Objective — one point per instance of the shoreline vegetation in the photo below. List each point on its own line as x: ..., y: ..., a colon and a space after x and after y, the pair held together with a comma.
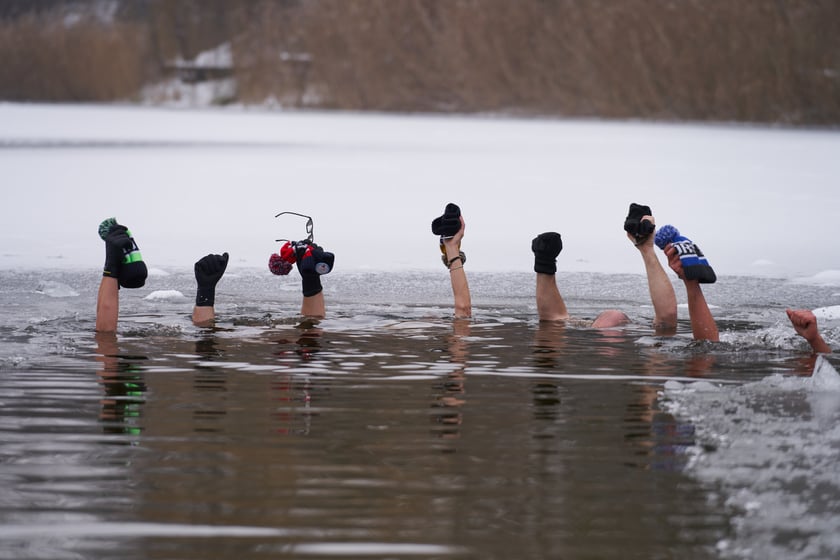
x: 751, y: 61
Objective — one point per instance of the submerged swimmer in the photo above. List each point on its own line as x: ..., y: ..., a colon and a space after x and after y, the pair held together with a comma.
x: 311, y: 262
x: 209, y: 269
x: 804, y: 322
x: 451, y: 228
x: 123, y: 267
x: 640, y: 226
x: 120, y: 270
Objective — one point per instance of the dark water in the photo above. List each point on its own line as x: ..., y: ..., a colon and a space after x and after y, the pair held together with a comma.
x: 389, y: 430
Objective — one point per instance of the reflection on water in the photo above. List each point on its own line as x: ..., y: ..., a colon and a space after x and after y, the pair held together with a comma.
x: 367, y: 435
x: 324, y: 437
x: 450, y: 390
x: 123, y: 386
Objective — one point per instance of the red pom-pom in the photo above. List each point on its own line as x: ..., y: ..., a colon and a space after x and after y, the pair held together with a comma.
x: 278, y: 265
x: 287, y: 253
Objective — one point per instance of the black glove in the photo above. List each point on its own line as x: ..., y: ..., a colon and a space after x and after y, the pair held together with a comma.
x: 208, y: 271
x: 450, y: 223
x: 324, y: 260
x: 312, y: 261
x: 546, y: 246
x: 312, y: 258
x: 117, y: 245
x: 635, y: 226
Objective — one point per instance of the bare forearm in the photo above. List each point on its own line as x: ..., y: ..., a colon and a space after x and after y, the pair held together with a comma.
x: 107, y: 305
x: 314, y: 306
x: 703, y: 325
x: 203, y: 315
x: 550, y: 304
x: 458, y: 279
x: 819, y: 345
x: 662, y: 294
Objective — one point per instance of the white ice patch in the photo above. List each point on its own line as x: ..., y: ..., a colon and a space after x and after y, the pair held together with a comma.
x: 824, y: 278
x: 825, y: 377
x: 55, y: 289
x: 157, y: 272
x: 830, y: 313
x: 165, y: 295
x: 772, y: 446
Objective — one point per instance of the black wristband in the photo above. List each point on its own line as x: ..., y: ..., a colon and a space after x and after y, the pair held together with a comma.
x: 205, y: 296
x: 545, y: 266
x: 113, y: 261
x: 311, y: 284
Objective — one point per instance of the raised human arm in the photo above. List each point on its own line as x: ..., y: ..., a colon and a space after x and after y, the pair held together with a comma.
x: 312, y: 263
x: 117, y: 242
x: 457, y: 274
x: 804, y: 322
x: 314, y: 306
x: 703, y: 325
x: 550, y: 304
x: 662, y: 294
x: 640, y: 227
x: 107, y: 305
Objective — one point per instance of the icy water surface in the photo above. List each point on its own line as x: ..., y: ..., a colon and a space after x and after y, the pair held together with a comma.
x: 388, y: 430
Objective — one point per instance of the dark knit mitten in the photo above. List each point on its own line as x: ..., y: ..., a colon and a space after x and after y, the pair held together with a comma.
x: 312, y: 262
x: 546, y: 246
x: 117, y: 243
x: 122, y: 256
x: 449, y: 223
x: 635, y: 226
x: 208, y: 271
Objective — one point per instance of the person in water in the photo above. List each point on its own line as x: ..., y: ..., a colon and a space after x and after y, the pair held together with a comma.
x: 311, y: 261
x: 804, y: 322
x: 124, y: 267
x: 703, y: 325
x: 451, y: 228
x: 640, y: 227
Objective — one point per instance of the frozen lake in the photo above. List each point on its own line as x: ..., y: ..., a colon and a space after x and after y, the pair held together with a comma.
x: 758, y: 201
x: 387, y: 429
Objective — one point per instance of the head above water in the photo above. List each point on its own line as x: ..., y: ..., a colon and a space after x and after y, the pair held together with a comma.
x: 610, y: 318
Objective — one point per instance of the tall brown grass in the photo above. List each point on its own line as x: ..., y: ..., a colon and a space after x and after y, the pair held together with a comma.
x: 746, y: 60
x: 82, y: 62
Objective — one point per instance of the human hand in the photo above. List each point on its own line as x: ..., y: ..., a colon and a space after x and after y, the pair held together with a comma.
x: 674, y: 261
x: 455, y: 240
x: 639, y: 223
x: 804, y: 323
x: 641, y: 236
